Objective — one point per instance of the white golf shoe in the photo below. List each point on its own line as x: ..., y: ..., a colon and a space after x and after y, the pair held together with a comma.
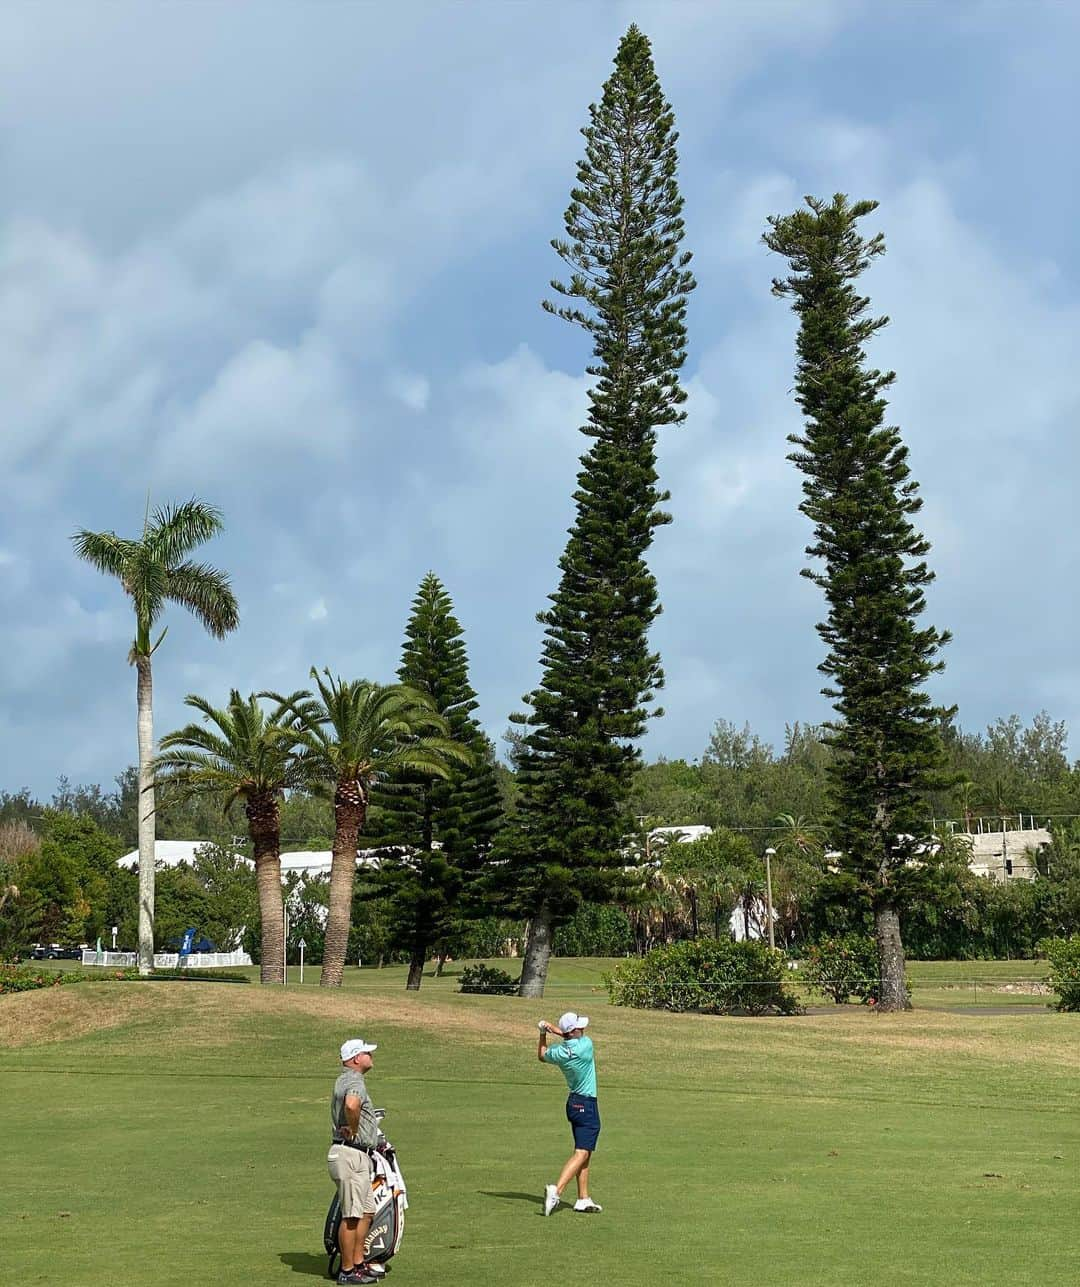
x: 551, y: 1198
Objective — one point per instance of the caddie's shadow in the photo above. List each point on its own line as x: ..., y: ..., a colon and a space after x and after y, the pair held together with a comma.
x: 302, y: 1262
x: 513, y: 1197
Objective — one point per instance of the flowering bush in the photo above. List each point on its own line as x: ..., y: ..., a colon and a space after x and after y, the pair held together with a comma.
x: 714, y: 976
x: 26, y: 978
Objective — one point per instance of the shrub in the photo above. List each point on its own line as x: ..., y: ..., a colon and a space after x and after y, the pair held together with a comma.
x: 28, y: 978
x: 172, y: 975
x: 844, y: 967
x: 485, y: 978
x: 713, y: 976
x: 1064, y: 957
x: 595, y: 929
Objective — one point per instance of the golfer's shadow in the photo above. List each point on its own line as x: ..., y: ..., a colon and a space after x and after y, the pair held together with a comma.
x: 302, y: 1262
x: 513, y: 1197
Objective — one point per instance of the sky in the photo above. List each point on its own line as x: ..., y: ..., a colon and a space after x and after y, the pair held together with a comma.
x: 290, y: 258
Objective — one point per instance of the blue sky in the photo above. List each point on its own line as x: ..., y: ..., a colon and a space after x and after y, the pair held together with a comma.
x: 290, y: 258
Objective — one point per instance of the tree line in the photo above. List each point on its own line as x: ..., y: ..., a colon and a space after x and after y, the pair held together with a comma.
x: 61, y: 853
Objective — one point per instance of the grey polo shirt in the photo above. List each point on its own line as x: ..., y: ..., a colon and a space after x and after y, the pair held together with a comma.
x: 351, y: 1082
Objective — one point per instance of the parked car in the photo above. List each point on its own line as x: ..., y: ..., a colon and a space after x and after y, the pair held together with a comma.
x: 55, y: 952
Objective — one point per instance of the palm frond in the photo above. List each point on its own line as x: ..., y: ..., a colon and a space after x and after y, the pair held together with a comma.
x: 105, y: 551
x: 175, y: 530
x: 205, y: 592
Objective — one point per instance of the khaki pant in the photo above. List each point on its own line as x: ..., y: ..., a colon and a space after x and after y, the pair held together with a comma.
x: 350, y: 1169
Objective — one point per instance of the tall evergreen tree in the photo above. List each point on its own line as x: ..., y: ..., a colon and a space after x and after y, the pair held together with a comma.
x: 860, y: 497
x: 628, y: 289
x: 448, y: 824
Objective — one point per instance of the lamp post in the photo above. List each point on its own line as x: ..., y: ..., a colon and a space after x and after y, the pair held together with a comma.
x: 769, y: 855
x: 285, y: 945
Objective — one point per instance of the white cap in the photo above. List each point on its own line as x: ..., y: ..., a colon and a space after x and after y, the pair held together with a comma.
x: 353, y: 1047
x: 569, y: 1021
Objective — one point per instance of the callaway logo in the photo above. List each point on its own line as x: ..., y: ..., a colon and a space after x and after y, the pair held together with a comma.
x: 376, y: 1233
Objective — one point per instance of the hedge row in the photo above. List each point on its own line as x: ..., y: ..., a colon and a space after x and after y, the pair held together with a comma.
x: 29, y: 978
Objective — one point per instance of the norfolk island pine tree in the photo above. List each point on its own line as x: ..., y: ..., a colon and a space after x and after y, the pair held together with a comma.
x: 155, y: 570
x: 628, y: 289
x: 860, y: 497
x: 447, y: 825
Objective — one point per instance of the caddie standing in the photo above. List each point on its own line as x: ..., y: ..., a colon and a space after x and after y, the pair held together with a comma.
x: 577, y: 1061
x: 354, y: 1133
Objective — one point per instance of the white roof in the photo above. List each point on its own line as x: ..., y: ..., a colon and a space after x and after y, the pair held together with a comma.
x: 304, y: 862
x: 684, y: 835
x: 317, y: 862
x: 169, y: 853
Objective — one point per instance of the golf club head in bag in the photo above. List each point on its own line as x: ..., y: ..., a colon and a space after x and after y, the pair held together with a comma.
x: 391, y: 1201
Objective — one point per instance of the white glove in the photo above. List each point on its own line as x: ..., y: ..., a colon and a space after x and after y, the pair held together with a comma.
x: 542, y: 1025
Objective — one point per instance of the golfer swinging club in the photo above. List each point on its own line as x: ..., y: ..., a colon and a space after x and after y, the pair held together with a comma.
x: 574, y: 1056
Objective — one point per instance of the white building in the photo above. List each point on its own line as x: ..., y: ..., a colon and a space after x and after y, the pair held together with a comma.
x: 1007, y: 855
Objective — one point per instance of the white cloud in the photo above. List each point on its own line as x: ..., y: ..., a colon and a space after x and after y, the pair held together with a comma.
x: 321, y: 313
x: 411, y: 390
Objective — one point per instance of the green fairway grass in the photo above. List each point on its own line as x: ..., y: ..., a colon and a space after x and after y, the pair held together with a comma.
x: 175, y: 1134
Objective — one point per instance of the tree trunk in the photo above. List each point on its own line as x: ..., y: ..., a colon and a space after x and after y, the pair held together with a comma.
x: 264, y: 828
x: 893, y: 994
x: 350, y: 808
x: 146, y: 813
x: 439, y: 965
x: 416, y: 967
x: 534, y: 967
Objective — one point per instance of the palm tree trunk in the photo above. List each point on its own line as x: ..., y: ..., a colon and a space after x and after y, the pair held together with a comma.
x: 893, y: 994
x: 534, y: 968
x: 263, y: 816
x: 350, y: 808
x: 147, y: 813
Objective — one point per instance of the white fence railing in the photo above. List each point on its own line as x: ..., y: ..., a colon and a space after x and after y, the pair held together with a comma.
x: 166, y: 960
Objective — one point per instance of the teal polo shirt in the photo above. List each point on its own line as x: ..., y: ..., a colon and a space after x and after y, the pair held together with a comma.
x: 575, y: 1060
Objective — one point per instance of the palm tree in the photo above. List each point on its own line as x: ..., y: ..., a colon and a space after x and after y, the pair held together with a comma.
x: 240, y: 753
x: 153, y: 571
x: 799, y: 846
x: 352, y: 735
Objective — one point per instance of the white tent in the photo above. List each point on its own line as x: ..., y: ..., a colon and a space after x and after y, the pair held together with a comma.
x: 170, y: 853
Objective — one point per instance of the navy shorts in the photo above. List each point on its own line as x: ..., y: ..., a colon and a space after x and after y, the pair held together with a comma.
x: 584, y: 1118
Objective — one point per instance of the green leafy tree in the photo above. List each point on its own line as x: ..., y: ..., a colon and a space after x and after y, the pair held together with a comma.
x: 446, y: 824
x: 871, y: 565
x: 627, y: 288
x: 155, y: 570
x: 352, y: 735
x: 232, y: 894
x: 239, y: 753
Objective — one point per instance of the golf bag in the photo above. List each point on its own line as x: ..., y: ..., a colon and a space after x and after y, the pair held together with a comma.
x: 391, y: 1201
